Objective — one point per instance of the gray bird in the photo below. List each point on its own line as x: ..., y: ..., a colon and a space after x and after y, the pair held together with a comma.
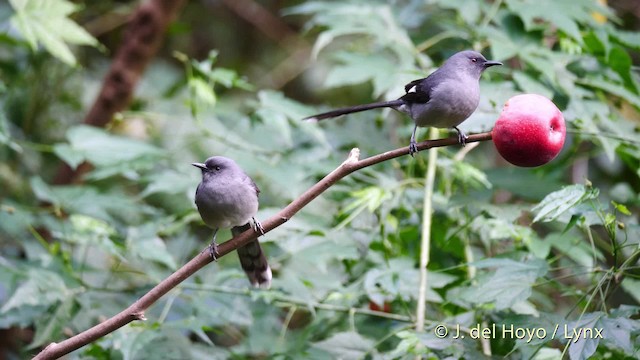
x: 228, y: 198
x: 443, y: 99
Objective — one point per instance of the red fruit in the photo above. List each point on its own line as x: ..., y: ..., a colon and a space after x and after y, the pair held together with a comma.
x: 386, y: 307
x: 530, y: 130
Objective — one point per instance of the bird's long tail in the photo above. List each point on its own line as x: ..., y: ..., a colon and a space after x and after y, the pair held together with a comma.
x: 253, y: 261
x: 353, y: 109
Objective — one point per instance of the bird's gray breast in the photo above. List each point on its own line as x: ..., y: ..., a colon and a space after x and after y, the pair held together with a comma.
x: 226, y: 202
x: 451, y: 102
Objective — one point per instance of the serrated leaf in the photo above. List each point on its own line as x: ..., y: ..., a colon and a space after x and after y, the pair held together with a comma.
x: 42, y: 288
x: 582, y: 346
x: 618, y: 330
x: 558, y: 202
x: 168, y: 182
x: 88, y: 201
x: 144, y: 243
x: 346, y: 345
x: 360, y: 68
x: 612, y: 88
x: 566, y: 15
x: 510, y: 284
x: 47, y: 23
x: 53, y: 324
x: 202, y: 90
x: 110, y: 154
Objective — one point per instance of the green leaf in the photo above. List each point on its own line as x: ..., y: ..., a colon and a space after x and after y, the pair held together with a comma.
x: 203, y: 91
x: 88, y: 201
x: 69, y: 155
x: 617, y: 330
x: 561, y: 201
x: 111, y: 154
x: 612, y: 88
x: 42, y: 288
x: 581, y: 347
x: 143, y: 242
x: 347, y: 345
x: 359, y: 68
x: 168, y: 182
x: 568, y: 16
x: 574, y: 248
x: 510, y: 284
x: 86, y: 230
x: 530, y: 84
x: 52, y: 325
x: 47, y: 23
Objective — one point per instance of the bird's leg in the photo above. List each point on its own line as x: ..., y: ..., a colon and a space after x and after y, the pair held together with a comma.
x: 413, y: 146
x: 256, y: 226
x: 462, y: 137
x: 213, y: 247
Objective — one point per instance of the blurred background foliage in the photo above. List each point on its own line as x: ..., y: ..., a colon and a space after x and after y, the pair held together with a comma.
x: 532, y: 248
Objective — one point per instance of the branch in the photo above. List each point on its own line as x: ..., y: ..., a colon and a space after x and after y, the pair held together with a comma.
x: 137, y: 309
x: 142, y: 39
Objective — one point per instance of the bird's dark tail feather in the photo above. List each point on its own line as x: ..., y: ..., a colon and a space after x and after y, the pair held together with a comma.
x: 253, y: 261
x: 353, y: 109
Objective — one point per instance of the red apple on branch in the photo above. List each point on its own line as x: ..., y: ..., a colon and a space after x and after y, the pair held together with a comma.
x: 530, y: 130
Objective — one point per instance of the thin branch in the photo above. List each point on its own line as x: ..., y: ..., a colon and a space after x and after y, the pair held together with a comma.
x: 137, y: 309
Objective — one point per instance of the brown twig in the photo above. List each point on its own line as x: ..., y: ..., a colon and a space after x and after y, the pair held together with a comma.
x: 137, y: 309
x: 141, y: 42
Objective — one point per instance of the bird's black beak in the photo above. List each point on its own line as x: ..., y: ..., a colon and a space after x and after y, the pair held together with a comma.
x: 491, y: 63
x: 200, y: 165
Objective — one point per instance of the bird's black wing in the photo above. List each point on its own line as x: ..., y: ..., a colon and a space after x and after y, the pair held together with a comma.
x: 419, y: 91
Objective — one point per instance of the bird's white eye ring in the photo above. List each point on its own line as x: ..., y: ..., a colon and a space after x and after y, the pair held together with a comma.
x: 474, y: 59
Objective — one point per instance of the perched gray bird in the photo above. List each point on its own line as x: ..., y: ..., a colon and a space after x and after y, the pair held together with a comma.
x: 443, y: 99
x: 228, y: 198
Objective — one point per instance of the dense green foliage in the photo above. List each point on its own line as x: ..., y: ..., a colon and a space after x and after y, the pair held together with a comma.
x: 550, y: 248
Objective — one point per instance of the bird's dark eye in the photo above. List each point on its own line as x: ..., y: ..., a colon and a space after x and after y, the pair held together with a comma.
x: 474, y: 59
x: 217, y: 168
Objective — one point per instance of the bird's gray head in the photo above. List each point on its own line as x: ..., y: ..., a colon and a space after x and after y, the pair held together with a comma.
x: 470, y: 61
x: 216, y: 165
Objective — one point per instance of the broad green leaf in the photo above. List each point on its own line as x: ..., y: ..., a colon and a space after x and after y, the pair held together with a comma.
x: 144, y: 243
x: 50, y: 326
x: 47, y: 23
x: 632, y: 287
x: 376, y: 21
x: 111, y: 154
x: 568, y: 16
x: 511, y: 283
x: 618, y: 330
x: 400, y: 280
x: 581, y: 347
x: 470, y: 11
x: 42, y: 288
x: 574, y: 247
x: 86, y: 230
x: 561, y: 201
x: 203, y: 91
x: 532, y: 85
x: 346, y: 345
x: 612, y: 88
x: 89, y: 201
x: 359, y: 68
x: 169, y: 182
